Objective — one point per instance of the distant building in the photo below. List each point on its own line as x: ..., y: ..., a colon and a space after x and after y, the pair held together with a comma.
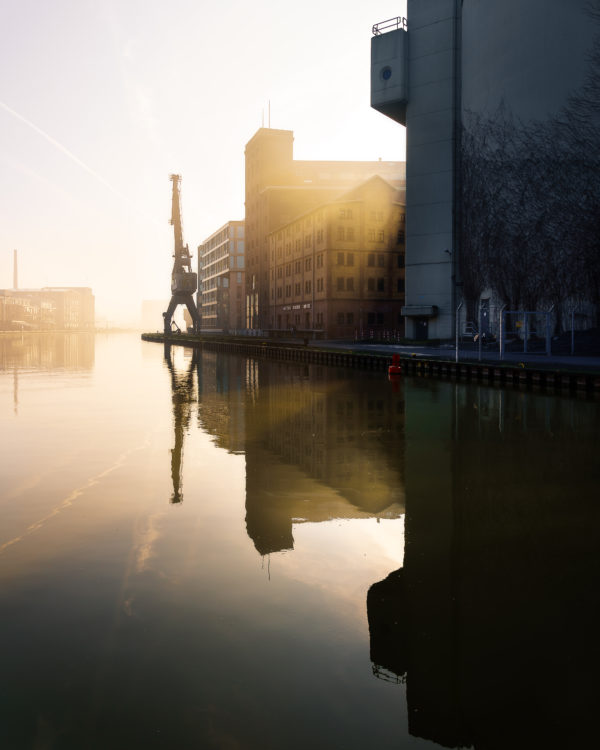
x: 279, y: 189
x: 339, y: 269
x: 221, y: 278
x: 49, y: 308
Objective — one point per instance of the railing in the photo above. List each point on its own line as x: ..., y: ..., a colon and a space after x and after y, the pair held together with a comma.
x: 392, y: 24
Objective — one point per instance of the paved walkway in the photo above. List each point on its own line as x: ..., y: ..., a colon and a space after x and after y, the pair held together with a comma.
x: 447, y: 352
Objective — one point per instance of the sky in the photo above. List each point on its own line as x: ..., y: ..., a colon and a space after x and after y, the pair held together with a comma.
x: 100, y: 100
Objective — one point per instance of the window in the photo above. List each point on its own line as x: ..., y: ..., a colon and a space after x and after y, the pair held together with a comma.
x: 379, y: 319
x: 400, y: 237
x: 350, y: 234
x: 288, y: 269
x: 297, y: 289
x: 400, y: 285
x: 298, y: 266
x: 240, y: 261
x: 380, y: 235
x: 350, y: 284
x: 380, y: 285
x: 307, y: 240
x: 340, y: 259
x: 288, y: 290
x: 319, y: 261
x: 279, y: 272
x: 381, y: 260
x: 371, y: 284
x: 320, y: 318
x: 308, y: 287
x: 340, y: 318
x: 308, y: 264
x: 371, y: 319
x: 340, y: 233
x: 279, y: 292
x: 371, y: 259
x: 340, y: 284
x: 349, y: 259
x: 350, y: 318
x: 371, y: 235
x: 400, y: 260
x: 319, y: 285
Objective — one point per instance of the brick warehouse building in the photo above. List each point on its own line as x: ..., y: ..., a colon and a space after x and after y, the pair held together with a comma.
x: 339, y: 269
x: 279, y: 189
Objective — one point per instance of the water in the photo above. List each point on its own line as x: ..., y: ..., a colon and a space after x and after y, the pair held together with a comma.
x: 223, y: 552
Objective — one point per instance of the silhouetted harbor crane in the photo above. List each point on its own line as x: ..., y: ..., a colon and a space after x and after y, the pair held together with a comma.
x: 184, y: 282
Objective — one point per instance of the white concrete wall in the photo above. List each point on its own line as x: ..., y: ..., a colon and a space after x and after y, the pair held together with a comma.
x: 430, y: 161
x: 529, y: 53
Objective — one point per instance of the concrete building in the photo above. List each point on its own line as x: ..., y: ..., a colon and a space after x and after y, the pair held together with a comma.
x: 221, y: 278
x: 278, y: 189
x: 338, y: 270
x: 429, y: 71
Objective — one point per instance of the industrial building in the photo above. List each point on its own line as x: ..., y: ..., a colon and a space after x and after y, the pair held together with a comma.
x: 49, y: 308
x: 221, y: 275
x: 450, y: 61
x: 279, y: 189
x: 338, y: 270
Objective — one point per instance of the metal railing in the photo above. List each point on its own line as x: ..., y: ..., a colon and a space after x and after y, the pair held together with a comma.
x: 392, y: 24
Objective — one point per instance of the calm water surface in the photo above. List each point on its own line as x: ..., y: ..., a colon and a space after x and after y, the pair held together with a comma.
x: 210, y: 551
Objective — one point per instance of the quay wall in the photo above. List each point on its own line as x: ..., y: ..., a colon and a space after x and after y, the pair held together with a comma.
x: 557, y: 379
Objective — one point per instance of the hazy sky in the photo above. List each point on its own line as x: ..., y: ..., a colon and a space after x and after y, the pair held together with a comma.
x: 101, y: 100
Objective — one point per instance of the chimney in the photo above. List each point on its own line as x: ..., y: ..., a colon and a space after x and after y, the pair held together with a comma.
x: 15, y: 272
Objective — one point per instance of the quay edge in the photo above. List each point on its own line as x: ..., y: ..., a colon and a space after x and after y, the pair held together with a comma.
x: 550, y: 378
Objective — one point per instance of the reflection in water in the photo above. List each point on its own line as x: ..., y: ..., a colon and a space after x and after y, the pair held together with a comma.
x: 47, y: 351
x: 492, y: 619
x: 128, y: 622
x: 318, y: 445
x: 334, y: 447
x: 183, y: 395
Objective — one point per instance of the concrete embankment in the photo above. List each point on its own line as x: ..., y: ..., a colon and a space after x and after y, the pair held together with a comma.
x: 550, y: 375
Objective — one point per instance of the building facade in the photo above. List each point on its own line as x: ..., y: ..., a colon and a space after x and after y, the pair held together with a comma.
x: 278, y: 189
x: 450, y: 60
x: 338, y: 270
x: 221, y: 278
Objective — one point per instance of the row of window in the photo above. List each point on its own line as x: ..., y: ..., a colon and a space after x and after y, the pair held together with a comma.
x: 342, y: 259
x: 343, y: 284
x: 345, y: 234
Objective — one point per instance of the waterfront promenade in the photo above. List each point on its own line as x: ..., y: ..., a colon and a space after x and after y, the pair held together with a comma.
x: 560, y: 372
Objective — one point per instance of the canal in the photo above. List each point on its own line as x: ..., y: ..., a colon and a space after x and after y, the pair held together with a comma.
x: 203, y: 550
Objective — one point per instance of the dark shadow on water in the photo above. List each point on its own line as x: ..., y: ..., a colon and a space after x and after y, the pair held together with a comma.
x: 492, y: 621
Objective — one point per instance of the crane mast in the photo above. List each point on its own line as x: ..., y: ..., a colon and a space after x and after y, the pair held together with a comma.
x: 184, y: 282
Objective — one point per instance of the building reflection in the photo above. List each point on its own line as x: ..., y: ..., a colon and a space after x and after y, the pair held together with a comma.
x: 320, y: 443
x: 316, y: 450
x: 491, y: 621
x: 47, y: 351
